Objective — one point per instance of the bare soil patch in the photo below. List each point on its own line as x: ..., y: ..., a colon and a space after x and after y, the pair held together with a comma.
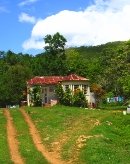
x: 52, y: 157
x: 12, y: 139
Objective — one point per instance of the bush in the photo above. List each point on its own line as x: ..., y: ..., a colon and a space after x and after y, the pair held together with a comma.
x: 67, y: 98
x: 36, y: 96
x: 79, y: 99
x: 60, y: 93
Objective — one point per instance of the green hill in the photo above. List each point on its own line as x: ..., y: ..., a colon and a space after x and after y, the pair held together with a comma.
x: 96, y: 51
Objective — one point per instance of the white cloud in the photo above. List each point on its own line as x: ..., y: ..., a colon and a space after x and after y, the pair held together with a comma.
x: 104, y: 21
x: 32, y: 43
x: 27, y: 2
x: 24, y: 17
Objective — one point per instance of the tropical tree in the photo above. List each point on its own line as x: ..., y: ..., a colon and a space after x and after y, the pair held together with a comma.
x: 98, y: 91
x: 55, y: 54
x: 14, y: 84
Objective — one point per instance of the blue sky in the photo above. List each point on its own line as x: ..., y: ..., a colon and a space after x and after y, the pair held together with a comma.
x: 24, y: 23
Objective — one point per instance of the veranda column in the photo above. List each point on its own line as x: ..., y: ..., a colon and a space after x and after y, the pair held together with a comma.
x: 88, y: 95
x: 28, y: 96
x: 63, y: 87
x: 70, y: 86
x: 80, y: 87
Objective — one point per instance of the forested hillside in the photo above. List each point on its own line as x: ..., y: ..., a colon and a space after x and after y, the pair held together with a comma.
x: 107, y: 66
x: 95, y: 51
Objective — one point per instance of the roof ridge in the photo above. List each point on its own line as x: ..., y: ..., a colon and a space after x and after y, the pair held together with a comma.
x: 55, y: 79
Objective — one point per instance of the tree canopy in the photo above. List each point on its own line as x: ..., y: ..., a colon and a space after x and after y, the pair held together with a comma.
x: 107, y: 66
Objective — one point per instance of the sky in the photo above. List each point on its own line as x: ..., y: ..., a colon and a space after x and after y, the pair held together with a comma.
x: 25, y: 23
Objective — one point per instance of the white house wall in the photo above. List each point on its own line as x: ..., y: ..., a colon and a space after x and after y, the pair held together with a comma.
x: 51, y: 93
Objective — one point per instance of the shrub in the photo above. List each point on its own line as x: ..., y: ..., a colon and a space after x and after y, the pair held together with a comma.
x: 67, y: 98
x: 79, y: 99
x: 60, y: 93
x: 36, y: 96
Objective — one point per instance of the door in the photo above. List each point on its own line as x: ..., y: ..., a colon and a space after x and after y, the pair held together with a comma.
x: 45, y: 95
x: 44, y: 98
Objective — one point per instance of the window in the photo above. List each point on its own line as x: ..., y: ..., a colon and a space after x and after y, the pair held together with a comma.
x: 76, y: 87
x: 85, y: 89
x: 42, y: 90
x: 66, y: 87
x: 51, y: 89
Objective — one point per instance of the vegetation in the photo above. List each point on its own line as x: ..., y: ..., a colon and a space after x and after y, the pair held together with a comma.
x: 107, y: 66
x: 79, y: 99
x: 26, y: 145
x: 78, y: 134
x: 55, y: 51
x: 84, y: 136
x: 35, y: 93
x: 75, y: 134
x: 4, y: 149
x: 71, y: 99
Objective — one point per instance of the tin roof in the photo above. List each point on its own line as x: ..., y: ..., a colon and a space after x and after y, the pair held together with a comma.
x: 42, y: 80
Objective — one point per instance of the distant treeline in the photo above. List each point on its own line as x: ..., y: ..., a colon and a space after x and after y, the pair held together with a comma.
x: 106, y: 65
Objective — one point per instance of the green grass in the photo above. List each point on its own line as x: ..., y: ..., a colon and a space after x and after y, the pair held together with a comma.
x: 109, y: 141
x: 114, y: 147
x: 4, y: 149
x: 26, y: 145
x: 113, y: 107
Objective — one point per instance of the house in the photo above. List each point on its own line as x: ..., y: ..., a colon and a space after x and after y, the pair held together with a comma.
x: 48, y: 84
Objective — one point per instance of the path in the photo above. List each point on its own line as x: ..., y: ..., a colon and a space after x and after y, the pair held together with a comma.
x: 51, y: 157
x: 12, y: 140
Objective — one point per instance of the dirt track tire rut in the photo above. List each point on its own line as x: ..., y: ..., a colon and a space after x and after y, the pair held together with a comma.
x: 51, y: 157
x: 12, y: 139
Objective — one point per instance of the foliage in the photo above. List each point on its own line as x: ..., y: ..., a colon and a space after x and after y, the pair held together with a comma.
x: 35, y: 93
x: 60, y: 93
x: 98, y: 92
x: 109, y: 94
x: 107, y: 65
x: 70, y: 99
x: 55, y: 54
x: 79, y: 99
x: 55, y: 44
x: 67, y: 98
x: 115, y: 69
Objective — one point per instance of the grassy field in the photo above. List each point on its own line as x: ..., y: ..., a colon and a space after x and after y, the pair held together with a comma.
x: 78, y: 135
x: 4, y: 149
x: 84, y: 136
x: 26, y: 145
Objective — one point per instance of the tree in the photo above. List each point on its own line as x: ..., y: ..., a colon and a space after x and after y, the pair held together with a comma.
x: 13, y: 84
x: 11, y: 58
x: 115, y: 70
x: 55, y: 45
x: 98, y: 92
x: 35, y: 93
x: 72, y: 60
x: 55, y: 54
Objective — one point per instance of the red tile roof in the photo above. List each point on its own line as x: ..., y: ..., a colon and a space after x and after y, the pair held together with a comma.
x: 73, y: 77
x: 54, y: 79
